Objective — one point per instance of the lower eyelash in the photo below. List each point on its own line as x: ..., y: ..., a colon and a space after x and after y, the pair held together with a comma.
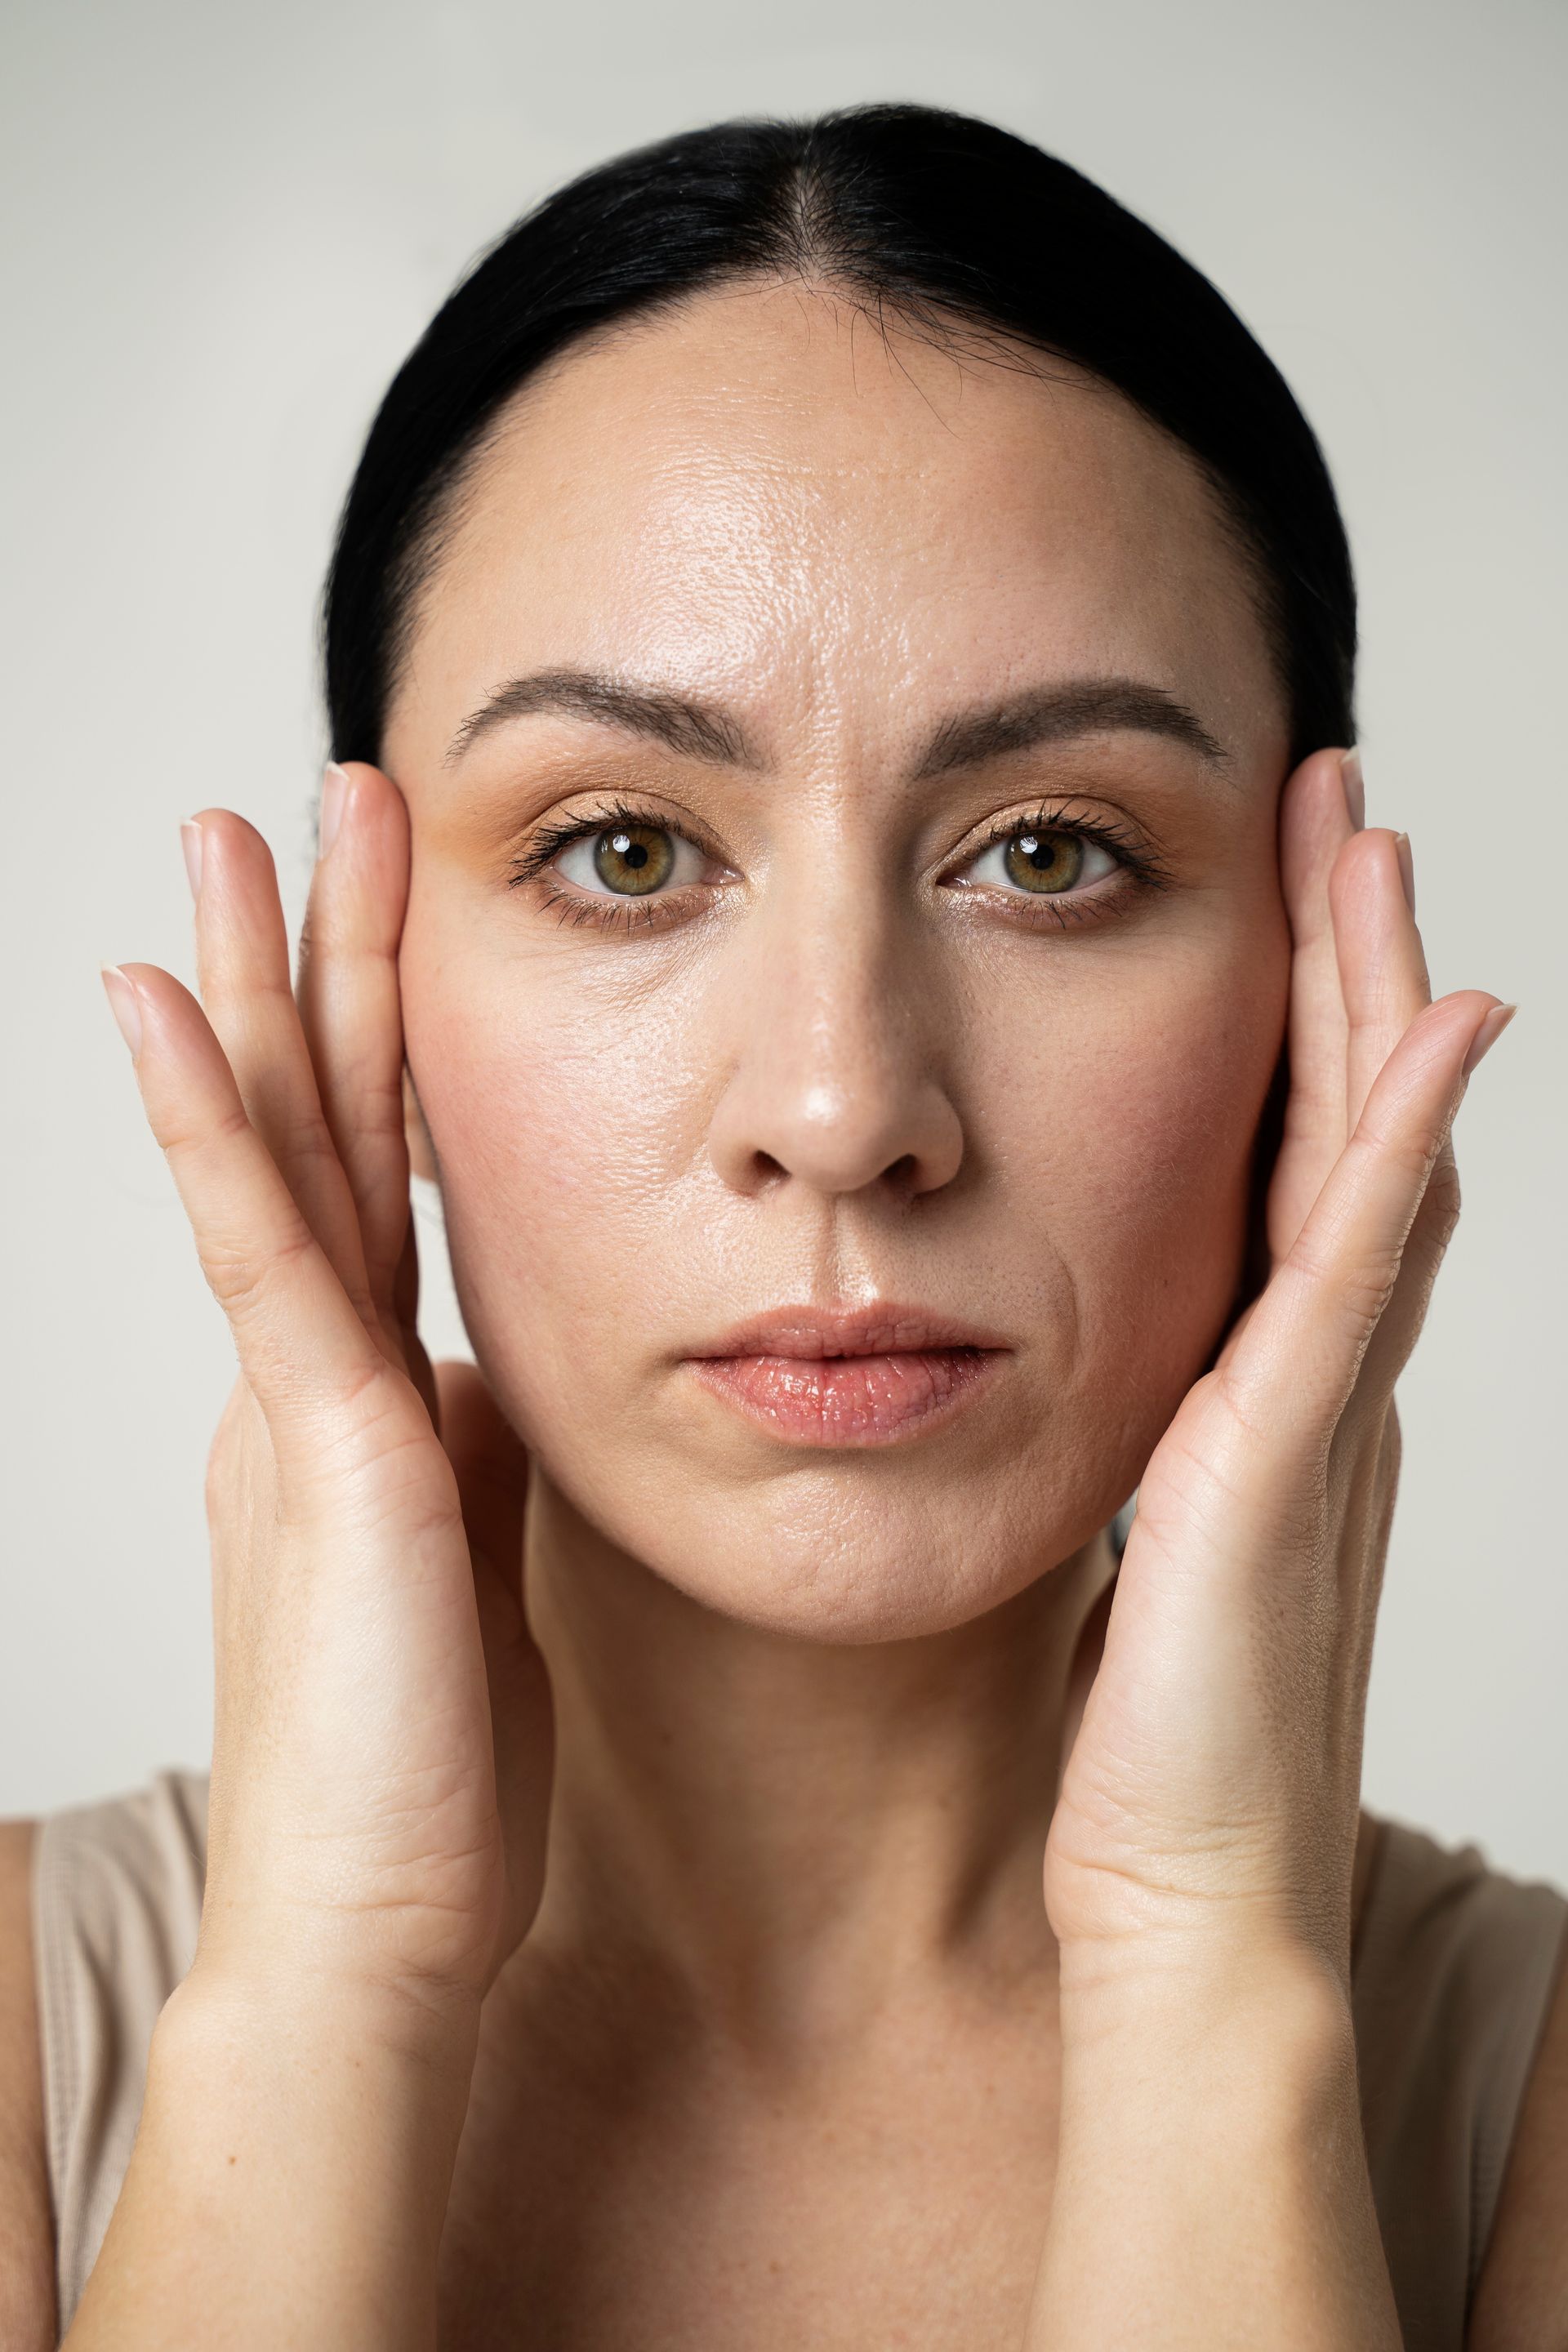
x: 574, y: 907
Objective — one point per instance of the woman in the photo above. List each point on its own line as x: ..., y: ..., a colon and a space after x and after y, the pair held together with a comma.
x: 839, y: 657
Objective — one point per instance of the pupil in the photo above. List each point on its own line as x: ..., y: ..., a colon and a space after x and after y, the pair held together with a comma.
x: 634, y: 859
x: 1043, y: 861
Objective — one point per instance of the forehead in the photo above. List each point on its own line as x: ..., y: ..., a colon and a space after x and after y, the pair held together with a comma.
x: 764, y: 495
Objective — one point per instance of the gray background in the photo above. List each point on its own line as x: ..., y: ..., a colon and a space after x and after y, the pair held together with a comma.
x: 225, y: 227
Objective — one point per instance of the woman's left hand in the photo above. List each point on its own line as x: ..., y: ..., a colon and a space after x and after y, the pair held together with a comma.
x: 1209, y: 1806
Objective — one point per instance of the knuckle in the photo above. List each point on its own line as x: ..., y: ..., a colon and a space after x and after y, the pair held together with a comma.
x: 1413, y: 1156
x: 1443, y: 1197
x: 1365, y: 1291
x: 1363, y: 1284
x: 379, y: 1109
x: 365, y: 1393
x: 241, y: 1278
x: 306, y: 1141
x: 182, y: 1142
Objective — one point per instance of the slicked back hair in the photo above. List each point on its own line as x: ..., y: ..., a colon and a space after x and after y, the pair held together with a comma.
x: 926, y: 219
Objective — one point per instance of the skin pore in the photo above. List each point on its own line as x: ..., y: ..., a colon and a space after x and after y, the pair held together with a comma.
x: 811, y: 1702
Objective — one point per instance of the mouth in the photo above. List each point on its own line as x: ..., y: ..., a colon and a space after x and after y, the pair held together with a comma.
x: 871, y: 1376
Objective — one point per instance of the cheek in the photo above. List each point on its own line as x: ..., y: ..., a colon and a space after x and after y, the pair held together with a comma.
x: 1130, y: 1143
x: 1110, y: 1109
x: 561, y: 1122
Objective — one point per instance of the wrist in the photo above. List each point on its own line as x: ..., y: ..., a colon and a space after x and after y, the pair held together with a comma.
x: 1213, y: 1970
x: 273, y: 2002
x: 1267, y: 2026
x: 1207, y: 2017
x: 1211, y: 2131
x: 291, y: 2169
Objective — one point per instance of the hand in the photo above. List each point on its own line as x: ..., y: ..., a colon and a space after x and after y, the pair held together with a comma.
x: 380, y: 1751
x: 1210, y: 1803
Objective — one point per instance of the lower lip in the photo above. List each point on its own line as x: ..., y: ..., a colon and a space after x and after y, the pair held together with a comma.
x: 849, y: 1400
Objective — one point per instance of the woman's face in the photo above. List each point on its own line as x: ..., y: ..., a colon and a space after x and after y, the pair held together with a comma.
x: 837, y: 638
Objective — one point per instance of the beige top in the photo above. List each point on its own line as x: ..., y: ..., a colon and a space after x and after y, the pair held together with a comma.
x: 1453, y: 1972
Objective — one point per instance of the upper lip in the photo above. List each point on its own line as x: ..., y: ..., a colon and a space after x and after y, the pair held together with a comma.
x: 887, y: 1329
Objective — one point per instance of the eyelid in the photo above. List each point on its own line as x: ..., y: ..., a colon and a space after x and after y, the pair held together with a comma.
x: 551, y: 839
x: 1139, y: 861
x: 577, y: 861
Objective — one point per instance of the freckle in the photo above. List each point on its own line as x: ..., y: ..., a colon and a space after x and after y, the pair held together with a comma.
x: 231, y: 2159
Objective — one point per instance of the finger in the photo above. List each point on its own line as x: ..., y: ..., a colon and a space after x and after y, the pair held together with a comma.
x: 1299, y: 1359
x: 1400, y: 1325
x: 298, y: 1335
x: 405, y: 1306
x: 1315, y: 822
x: 242, y: 957
x: 1380, y: 961
x: 490, y: 1464
x: 351, y: 1008
x: 1386, y: 981
x: 1402, y: 1322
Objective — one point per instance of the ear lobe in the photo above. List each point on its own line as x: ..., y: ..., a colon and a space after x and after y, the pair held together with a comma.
x: 421, y: 1150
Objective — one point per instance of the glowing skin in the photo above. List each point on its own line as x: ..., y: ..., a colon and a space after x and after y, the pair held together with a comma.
x: 688, y: 1963
x: 852, y: 1060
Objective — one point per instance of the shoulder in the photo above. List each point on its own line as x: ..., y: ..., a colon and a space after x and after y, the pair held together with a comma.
x: 26, y: 2228
x: 1462, y: 2054
x: 1522, y: 2302
x: 1463, y: 2045
x: 106, y: 1897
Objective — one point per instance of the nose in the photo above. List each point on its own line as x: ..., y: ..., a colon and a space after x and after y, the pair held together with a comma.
x: 836, y: 1080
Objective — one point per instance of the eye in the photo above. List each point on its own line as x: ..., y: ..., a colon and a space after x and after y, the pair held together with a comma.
x: 628, y: 860
x: 1043, y: 860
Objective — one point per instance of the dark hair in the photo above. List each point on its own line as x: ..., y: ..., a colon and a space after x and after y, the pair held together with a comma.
x: 950, y: 224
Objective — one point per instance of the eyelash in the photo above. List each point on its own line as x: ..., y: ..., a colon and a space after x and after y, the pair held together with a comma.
x: 1142, y: 866
x: 577, y: 907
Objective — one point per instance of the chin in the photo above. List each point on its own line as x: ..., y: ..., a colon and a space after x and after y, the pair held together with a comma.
x: 845, y: 1547
x: 867, y: 1534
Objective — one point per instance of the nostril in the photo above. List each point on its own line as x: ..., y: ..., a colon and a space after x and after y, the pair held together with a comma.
x: 894, y: 1131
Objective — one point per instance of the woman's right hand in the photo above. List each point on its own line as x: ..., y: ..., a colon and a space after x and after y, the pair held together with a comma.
x: 381, y: 1731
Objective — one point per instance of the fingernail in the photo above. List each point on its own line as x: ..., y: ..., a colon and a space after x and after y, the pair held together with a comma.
x: 1406, y: 867
x: 1355, y: 791
x: 190, y: 843
x: 1487, y: 1035
x: 334, y: 790
x: 123, y: 1005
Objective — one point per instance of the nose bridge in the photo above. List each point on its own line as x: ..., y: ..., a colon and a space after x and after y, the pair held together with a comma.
x: 837, y: 1080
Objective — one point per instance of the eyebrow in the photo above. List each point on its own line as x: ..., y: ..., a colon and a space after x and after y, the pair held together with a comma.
x: 1046, y: 714
x: 692, y: 728
x: 1055, y: 714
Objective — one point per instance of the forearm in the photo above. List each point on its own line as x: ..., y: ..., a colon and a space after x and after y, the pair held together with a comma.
x: 1212, y: 2189
x: 287, y: 2185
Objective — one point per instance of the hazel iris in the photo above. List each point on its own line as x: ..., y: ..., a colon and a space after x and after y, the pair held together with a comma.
x: 633, y: 859
x: 1043, y: 861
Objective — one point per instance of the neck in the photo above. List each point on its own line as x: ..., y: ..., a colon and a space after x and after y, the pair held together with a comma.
x: 798, y: 1831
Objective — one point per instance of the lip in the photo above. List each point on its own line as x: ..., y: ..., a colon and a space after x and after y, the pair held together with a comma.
x: 870, y: 1376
